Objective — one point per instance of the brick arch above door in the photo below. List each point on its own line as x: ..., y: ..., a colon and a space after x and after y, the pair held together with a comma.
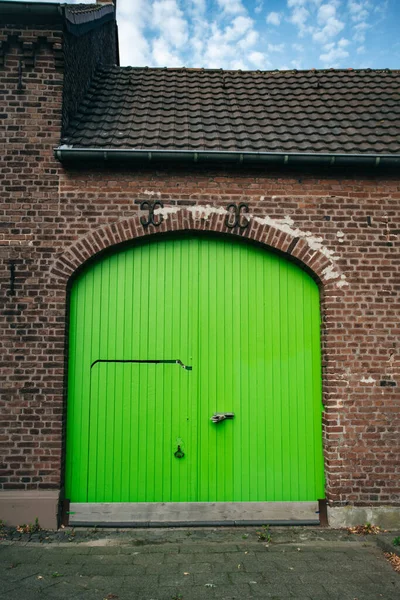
x: 277, y: 234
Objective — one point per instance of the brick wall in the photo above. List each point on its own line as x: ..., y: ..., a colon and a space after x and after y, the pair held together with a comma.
x: 30, y: 120
x: 32, y: 70
x: 353, y: 215
x: 47, y: 218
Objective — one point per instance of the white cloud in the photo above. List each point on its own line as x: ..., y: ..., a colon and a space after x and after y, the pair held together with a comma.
x: 334, y: 53
x: 200, y: 29
x: 221, y: 33
x: 132, y: 18
x: 239, y: 65
x: 231, y: 7
x: 358, y: 10
x: 199, y: 5
x: 274, y: 18
x: 169, y: 19
x: 292, y: 3
x: 249, y: 40
x: 326, y: 12
x: 163, y: 56
x: 296, y: 64
x: 259, y: 60
x: 381, y: 7
x: 330, y: 26
x: 360, y: 29
x: 276, y: 47
x: 299, y: 18
x: 240, y: 26
x: 221, y: 46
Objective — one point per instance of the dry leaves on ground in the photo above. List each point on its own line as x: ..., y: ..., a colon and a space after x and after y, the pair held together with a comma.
x: 394, y: 560
x: 366, y: 529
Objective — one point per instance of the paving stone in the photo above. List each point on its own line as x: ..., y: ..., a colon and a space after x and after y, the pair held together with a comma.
x: 198, y: 567
x: 217, y: 579
x: 15, y: 594
x: 151, y: 566
x: 95, y: 569
x: 176, y: 580
x: 103, y: 550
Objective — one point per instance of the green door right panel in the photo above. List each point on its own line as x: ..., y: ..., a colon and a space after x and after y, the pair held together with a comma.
x: 248, y: 323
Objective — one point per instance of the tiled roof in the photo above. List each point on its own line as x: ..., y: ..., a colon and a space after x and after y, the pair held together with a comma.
x: 83, y: 13
x: 83, y: 8
x: 335, y: 111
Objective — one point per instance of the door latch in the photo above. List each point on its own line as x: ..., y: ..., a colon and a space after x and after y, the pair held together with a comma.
x: 218, y: 417
x: 179, y: 453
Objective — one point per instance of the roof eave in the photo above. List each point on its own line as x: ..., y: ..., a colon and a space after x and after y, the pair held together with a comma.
x: 68, y: 154
x: 50, y: 13
x: 26, y: 12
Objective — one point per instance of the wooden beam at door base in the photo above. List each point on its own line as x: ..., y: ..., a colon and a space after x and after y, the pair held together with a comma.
x: 162, y: 514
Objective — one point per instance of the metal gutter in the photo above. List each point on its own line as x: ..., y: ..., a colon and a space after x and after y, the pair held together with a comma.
x: 49, y: 12
x: 68, y: 154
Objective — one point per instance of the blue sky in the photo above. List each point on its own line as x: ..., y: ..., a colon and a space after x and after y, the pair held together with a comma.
x: 260, y: 34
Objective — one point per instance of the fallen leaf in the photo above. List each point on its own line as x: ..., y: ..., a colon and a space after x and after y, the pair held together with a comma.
x: 394, y: 560
x: 365, y: 529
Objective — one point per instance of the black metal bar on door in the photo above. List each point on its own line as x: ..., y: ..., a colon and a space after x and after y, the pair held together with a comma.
x: 151, y: 362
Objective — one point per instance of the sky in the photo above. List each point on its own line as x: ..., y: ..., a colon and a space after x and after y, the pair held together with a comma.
x: 259, y: 34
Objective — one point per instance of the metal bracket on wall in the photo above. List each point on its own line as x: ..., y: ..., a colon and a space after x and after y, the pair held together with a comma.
x: 151, y: 362
x: 151, y: 206
x: 237, y: 210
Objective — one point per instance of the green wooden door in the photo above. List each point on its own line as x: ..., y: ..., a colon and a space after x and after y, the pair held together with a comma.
x: 247, y: 322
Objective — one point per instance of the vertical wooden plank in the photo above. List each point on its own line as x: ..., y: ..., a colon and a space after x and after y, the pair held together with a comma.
x: 127, y: 382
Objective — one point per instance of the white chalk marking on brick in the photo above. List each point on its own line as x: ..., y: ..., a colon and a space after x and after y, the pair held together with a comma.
x: 367, y: 379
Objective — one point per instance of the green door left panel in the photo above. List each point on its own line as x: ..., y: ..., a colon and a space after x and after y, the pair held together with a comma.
x: 126, y: 420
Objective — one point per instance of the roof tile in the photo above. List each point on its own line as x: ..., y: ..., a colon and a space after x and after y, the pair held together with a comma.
x: 279, y: 111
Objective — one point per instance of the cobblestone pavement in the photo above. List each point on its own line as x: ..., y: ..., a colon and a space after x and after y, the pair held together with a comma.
x: 191, y: 564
